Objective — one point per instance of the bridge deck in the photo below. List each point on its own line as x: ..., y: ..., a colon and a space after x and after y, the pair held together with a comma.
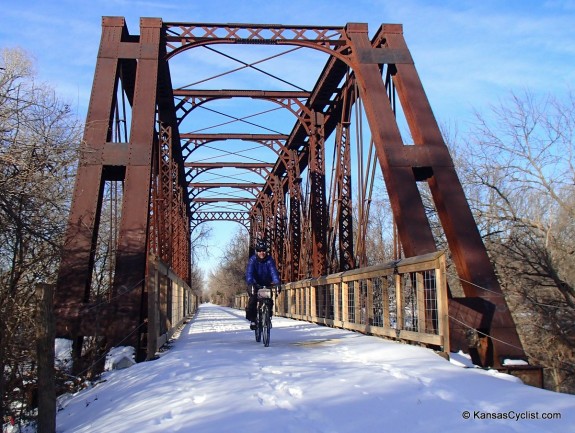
x: 216, y: 378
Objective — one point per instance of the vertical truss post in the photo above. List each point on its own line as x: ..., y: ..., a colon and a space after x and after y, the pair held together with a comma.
x: 172, y: 208
x: 137, y: 61
x: 131, y: 254
x: 256, y: 224
x: 318, y: 210
x: 278, y: 243
x: 344, y: 216
x: 294, y: 186
x: 268, y: 220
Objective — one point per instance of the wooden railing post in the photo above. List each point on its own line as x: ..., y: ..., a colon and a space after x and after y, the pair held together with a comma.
x: 442, y: 302
x: 357, y: 301
x: 45, y: 338
x: 336, y: 302
x: 398, y: 303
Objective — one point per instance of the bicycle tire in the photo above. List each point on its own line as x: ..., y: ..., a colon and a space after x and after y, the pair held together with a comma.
x: 258, y: 330
x: 266, y: 325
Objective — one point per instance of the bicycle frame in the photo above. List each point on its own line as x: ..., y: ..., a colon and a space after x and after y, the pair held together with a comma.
x: 265, y: 297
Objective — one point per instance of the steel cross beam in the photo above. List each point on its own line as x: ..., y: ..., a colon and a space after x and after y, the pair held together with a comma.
x: 292, y: 100
x: 198, y: 187
x: 223, y: 199
x: 207, y: 185
x: 182, y: 36
x: 200, y: 217
x: 274, y: 142
x: 226, y: 94
x: 196, y: 168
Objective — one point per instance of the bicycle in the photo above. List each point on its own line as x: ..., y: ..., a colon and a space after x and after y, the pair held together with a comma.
x: 264, y: 314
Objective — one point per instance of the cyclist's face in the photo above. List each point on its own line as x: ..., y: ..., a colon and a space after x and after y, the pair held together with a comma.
x: 261, y: 254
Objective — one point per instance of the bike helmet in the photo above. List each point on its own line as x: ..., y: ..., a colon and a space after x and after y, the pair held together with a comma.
x: 261, y: 246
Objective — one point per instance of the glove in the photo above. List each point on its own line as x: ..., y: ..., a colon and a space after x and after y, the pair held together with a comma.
x: 278, y: 288
x: 254, y: 288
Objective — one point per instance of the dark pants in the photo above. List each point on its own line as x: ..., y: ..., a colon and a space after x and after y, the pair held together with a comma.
x: 251, y: 312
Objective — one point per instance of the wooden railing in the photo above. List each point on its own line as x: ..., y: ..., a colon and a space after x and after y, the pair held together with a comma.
x: 403, y: 300
x: 170, y: 302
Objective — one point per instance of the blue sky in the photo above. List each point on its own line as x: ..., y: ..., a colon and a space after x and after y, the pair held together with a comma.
x: 469, y: 54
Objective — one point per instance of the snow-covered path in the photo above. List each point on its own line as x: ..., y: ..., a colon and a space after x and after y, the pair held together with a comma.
x: 216, y: 378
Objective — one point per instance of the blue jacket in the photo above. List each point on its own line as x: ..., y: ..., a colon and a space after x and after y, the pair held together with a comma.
x: 262, y: 272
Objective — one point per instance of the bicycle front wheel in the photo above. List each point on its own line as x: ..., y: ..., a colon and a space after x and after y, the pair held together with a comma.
x: 258, y: 331
x: 266, y: 325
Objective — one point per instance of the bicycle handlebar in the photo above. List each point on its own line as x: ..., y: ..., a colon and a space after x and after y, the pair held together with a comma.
x: 275, y: 289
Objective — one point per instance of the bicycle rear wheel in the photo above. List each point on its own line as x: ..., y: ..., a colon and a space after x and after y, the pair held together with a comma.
x: 266, y: 325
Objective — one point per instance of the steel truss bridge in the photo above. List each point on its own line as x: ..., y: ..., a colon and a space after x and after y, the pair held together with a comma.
x: 285, y: 130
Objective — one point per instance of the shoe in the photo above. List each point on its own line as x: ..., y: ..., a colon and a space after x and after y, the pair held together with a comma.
x: 252, y: 325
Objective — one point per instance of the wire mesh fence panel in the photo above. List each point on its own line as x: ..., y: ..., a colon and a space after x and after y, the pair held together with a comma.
x: 319, y: 301
x: 330, y: 301
x: 351, y: 301
x: 431, y: 307
x: 363, y: 319
x: 377, y: 284
x: 324, y: 301
x: 409, y: 296
x: 391, y: 301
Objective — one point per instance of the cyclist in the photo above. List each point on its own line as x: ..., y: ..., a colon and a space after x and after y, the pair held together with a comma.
x: 261, y: 271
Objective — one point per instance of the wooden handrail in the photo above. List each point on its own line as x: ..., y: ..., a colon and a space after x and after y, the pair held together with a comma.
x: 403, y: 300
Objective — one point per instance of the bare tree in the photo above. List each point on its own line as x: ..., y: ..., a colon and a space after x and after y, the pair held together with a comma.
x: 519, y: 173
x: 38, y: 141
x: 229, y: 279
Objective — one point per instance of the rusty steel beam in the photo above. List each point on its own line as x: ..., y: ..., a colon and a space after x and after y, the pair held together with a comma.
x: 224, y: 136
x: 197, y: 168
x: 118, y: 321
x: 317, y: 202
x: 248, y: 165
x: 292, y: 100
x: 257, y: 94
x: 220, y: 215
x: 182, y: 36
x: 274, y: 142
x: 429, y: 160
x: 210, y: 216
x: 223, y: 199
x: 226, y: 185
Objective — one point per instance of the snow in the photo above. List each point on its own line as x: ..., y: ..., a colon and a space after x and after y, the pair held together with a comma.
x: 514, y: 362
x: 216, y: 378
